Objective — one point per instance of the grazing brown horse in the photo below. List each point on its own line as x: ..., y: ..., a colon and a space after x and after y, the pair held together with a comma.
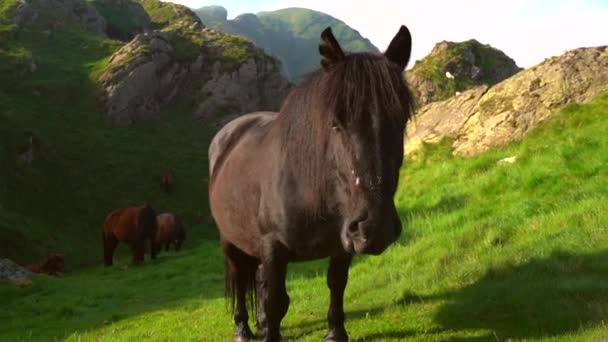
x: 54, y: 265
x: 132, y: 226
x: 170, y: 231
x: 167, y: 181
x: 315, y: 180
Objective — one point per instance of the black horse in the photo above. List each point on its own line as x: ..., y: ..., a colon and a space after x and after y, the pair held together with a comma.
x: 315, y: 180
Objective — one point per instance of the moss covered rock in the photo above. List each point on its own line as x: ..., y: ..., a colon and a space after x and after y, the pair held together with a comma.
x: 215, y: 74
x: 484, y: 118
x: 452, y: 68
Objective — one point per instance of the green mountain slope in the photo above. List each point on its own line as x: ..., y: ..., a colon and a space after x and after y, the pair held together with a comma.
x: 490, y: 251
x: 62, y: 167
x: 291, y: 34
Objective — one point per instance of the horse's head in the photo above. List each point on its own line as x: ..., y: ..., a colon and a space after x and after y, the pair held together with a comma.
x: 55, y: 264
x: 369, y: 105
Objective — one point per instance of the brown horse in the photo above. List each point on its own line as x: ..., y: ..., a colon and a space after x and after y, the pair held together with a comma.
x: 170, y: 231
x: 132, y: 226
x: 54, y: 265
x: 167, y: 181
x: 315, y: 180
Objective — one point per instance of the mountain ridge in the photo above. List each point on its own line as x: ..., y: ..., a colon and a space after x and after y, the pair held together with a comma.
x: 290, y: 34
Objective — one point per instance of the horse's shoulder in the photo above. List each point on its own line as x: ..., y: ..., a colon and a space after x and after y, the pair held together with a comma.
x: 233, y: 131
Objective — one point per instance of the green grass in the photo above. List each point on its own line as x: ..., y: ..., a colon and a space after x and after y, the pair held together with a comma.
x: 82, y: 168
x: 490, y: 251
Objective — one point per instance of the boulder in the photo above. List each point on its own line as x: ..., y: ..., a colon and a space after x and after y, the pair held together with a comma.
x: 484, y: 118
x: 456, y: 67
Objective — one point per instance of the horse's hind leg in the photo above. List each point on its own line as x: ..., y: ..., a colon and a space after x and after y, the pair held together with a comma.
x: 275, y: 299
x: 240, y: 277
x: 109, y: 244
x: 337, y: 277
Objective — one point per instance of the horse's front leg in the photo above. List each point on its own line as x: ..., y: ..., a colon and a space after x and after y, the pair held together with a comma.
x: 261, y: 322
x: 274, y: 297
x: 337, y: 277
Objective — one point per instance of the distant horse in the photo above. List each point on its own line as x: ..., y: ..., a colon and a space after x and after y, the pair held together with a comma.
x: 132, y: 226
x: 167, y: 181
x: 170, y: 231
x: 315, y: 180
x: 54, y: 265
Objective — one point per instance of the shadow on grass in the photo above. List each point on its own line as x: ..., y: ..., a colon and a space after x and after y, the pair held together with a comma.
x: 541, y: 298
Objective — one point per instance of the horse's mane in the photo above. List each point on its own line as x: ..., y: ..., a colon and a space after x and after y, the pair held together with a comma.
x: 346, y: 92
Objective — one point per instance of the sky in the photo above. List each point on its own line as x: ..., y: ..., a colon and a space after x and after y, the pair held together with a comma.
x: 526, y: 30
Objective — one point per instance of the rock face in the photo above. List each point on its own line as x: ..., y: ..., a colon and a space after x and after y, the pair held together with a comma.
x: 217, y: 74
x: 57, y: 14
x: 456, y: 67
x: 484, y: 118
x: 290, y: 34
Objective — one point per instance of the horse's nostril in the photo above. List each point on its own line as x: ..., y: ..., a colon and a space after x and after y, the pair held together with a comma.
x: 353, y: 228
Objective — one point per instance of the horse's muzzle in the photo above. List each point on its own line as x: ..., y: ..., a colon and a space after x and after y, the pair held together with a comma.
x: 366, y: 236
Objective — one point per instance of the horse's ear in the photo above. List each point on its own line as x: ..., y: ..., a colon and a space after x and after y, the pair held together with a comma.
x: 329, y: 49
x: 400, y: 48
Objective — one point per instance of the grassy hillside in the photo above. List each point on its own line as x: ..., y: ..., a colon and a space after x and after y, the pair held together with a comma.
x: 81, y: 169
x: 490, y: 251
x: 291, y: 34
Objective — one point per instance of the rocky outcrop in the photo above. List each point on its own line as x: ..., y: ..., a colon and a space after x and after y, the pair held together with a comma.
x: 452, y: 68
x: 217, y: 74
x: 57, y: 14
x: 482, y: 119
x: 438, y: 120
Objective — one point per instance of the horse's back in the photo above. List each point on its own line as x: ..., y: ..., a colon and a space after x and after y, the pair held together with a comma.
x: 228, y: 137
x: 122, y: 223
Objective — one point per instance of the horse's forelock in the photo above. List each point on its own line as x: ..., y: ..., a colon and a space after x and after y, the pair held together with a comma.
x: 348, y: 92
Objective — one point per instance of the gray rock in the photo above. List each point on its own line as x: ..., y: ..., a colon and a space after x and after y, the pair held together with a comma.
x: 146, y: 75
x: 11, y: 272
x: 481, y: 119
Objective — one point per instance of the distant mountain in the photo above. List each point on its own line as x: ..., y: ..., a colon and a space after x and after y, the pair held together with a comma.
x: 290, y: 34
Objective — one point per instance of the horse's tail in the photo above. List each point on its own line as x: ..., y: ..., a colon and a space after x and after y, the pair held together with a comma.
x: 240, y: 270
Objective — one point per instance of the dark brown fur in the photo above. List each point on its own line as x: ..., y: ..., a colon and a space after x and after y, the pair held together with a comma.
x: 54, y: 265
x: 315, y: 180
x: 132, y: 226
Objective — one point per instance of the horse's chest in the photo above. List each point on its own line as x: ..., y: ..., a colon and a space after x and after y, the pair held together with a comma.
x: 313, y: 242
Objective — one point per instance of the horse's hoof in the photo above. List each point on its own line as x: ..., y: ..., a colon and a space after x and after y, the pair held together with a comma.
x: 243, y: 333
x: 336, y: 335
